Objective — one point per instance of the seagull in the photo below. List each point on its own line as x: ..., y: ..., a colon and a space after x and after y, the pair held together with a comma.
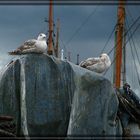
x: 32, y: 46
x: 97, y: 64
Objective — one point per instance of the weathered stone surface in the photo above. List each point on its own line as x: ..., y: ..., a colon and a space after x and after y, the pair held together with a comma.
x: 50, y: 97
x: 94, y: 107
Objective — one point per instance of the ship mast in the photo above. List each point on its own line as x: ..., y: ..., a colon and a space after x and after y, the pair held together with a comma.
x: 77, y: 59
x: 50, y: 39
x: 57, y: 39
x: 119, y: 43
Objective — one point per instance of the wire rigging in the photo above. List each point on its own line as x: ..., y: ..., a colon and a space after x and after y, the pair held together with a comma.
x: 135, y: 62
x: 129, y: 34
x: 135, y: 48
x: 126, y: 41
x: 132, y: 51
x: 63, y: 44
x: 133, y: 38
x: 108, y: 39
x: 127, y: 9
x: 81, y: 26
x: 78, y: 30
x: 132, y: 25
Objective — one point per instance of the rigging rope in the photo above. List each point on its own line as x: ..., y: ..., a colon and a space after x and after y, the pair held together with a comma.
x: 63, y: 44
x: 83, y: 23
x: 78, y: 29
x: 126, y: 41
x: 134, y: 45
x: 108, y: 39
x: 133, y: 39
x: 132, y: 25
x: 133, y: 54
x: 135, y: 63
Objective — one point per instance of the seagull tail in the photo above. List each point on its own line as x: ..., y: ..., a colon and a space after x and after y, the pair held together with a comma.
x: 82, y: 64
x: 16, y: 52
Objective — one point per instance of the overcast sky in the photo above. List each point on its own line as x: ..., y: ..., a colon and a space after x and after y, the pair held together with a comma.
x: 84, y: 30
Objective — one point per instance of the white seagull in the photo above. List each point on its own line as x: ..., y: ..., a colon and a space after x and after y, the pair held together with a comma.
x: 32, y: 46
x: 97, y: 64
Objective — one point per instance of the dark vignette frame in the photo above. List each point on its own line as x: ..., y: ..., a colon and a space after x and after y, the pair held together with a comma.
x: 68, y: 3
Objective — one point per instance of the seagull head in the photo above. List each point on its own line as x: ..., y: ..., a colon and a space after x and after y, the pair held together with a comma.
x: 105, y: 58
x: 41, y: 37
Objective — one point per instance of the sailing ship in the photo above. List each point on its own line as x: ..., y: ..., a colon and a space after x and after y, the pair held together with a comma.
x: 119, y: 60
x: 128, y: 100
x: 129, y: 103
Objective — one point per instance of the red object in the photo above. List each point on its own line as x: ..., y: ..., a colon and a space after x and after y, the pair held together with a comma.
x: 119, y: 42
x: 50, y: 40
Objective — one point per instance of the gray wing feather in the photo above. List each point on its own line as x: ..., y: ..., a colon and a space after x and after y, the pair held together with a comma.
x: 98, y: 67
x: 89, y: 62
x: 28, y: 44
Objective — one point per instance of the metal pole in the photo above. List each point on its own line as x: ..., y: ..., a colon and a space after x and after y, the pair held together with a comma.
x: 50, y: 40
x: 119, y: 42
x: 69, y: 56
x: 77, y: 59
x: 57, y: 38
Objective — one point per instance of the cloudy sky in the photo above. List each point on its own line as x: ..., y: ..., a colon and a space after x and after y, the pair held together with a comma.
x: 84, y: 30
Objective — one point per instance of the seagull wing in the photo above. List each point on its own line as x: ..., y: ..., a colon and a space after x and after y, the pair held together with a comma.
x: 28, y: 45
x: 98, y: 67
x: 89, y: 62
